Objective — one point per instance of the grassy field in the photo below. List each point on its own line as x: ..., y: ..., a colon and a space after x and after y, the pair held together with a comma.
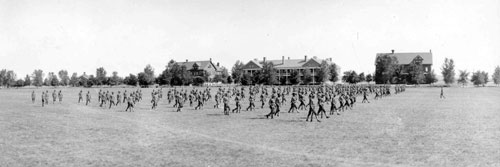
x: 415, y: 128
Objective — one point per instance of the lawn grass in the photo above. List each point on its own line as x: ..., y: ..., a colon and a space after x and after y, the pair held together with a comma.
x: 414, y: 128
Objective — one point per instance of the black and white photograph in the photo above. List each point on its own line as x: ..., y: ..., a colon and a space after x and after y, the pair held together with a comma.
x: 257, y: 83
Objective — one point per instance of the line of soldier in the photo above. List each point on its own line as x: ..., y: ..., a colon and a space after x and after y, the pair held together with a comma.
x: 275, y: 96
x: 45, y: 97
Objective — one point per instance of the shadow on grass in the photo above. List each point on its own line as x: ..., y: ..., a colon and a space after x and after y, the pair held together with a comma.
x: 263, y: 117
x: 217, y: 114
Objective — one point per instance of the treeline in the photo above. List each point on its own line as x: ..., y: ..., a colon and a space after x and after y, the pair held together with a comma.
x: 268, y: 75
x: 174, y: 74
x: 388, y: 71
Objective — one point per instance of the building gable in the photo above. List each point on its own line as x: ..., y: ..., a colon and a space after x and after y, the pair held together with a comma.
x: 312, y: 63
x: 252, y: 65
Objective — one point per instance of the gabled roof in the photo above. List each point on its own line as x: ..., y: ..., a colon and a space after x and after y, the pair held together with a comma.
x: 201, y: 64
x: 252, y: 64
x: 282, y: 64
x: 407, y: 58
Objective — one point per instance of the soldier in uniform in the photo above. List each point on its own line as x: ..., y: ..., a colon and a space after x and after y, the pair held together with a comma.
x: 321, y: 106
x: 238, y: 105
x: 118, y: 98
x: 272, y: 106
x: 54, y: 97
x: 130, y: 104
x: 46, y: 97
x: 60, y: 95
x: 312, y: 109
x: 87, y: 100
x: 33, y: 97
x: 179, y: 103
x: 251, y: 100
x: 154, y: 100
x: 293, y: 106
x: 225, y: 100
x: 111, y: 99
x: 333, y: 107
x: 80, y: 98
x: 43, y: 98
x: 365, y: 97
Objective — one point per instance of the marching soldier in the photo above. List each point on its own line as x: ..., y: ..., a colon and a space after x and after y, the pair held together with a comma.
x: 33, y: 97
x: 54, y: 97
x: 130, y: 104
x: 87, y: 100
x: 60, y: 95
x: 43, y: 98
x: 238, y: 105
x: 111, y: 100
x: 80, y: 98
x: 293, y: 106
x: 312, y: 109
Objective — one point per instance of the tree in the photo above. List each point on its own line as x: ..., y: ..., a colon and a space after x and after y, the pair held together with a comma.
x: 186, y: 76
x: 150, y: 74
x: 53, y: 80
x: 198, y: 80
x: 463, y: 77
x: 350, y: 77
x: 224, y: 75
x: 19, y: 83
x: 176, y: 72
x: 334, y: 72
x: 269, y: 73
x: 100, y: 75
x: 165, y: 76
x: 92, y: 81
x: 7, y: 78
x: 130, y: 80
x: 295, y: 77
x: 369, y: 78
x: 115, y: 79
x: 46, y: 82
x: 385, y: 68
x: 37, y: 77
x: 308, y: 78
x: 63, y: 76
x: 3, y: 75
x: 257, y: 77
x: 416, y: 74
x: 324, y: 72
x: 496, y: 76
x: 74, y: 79
x: 479, y: 78
x: 10, y: 78
x: 237, y: 72
x: 448, y: 71
x: 362, y: 77
x: 27, y: 80
x: 246, y: 79
x: 430, y: 78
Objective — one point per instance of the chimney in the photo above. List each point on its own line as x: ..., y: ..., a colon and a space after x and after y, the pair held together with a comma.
x: 186, y: 60
x: 392, y: 51
x: 264, y: 59
x: 210, y: 59
x: 217, y: 64
x: 288, y: 58
x: 305, y: 57
x: 282, y: 59
x: 430, y: 50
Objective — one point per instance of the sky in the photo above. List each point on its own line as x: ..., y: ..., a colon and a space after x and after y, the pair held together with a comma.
x: 126, y: 35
